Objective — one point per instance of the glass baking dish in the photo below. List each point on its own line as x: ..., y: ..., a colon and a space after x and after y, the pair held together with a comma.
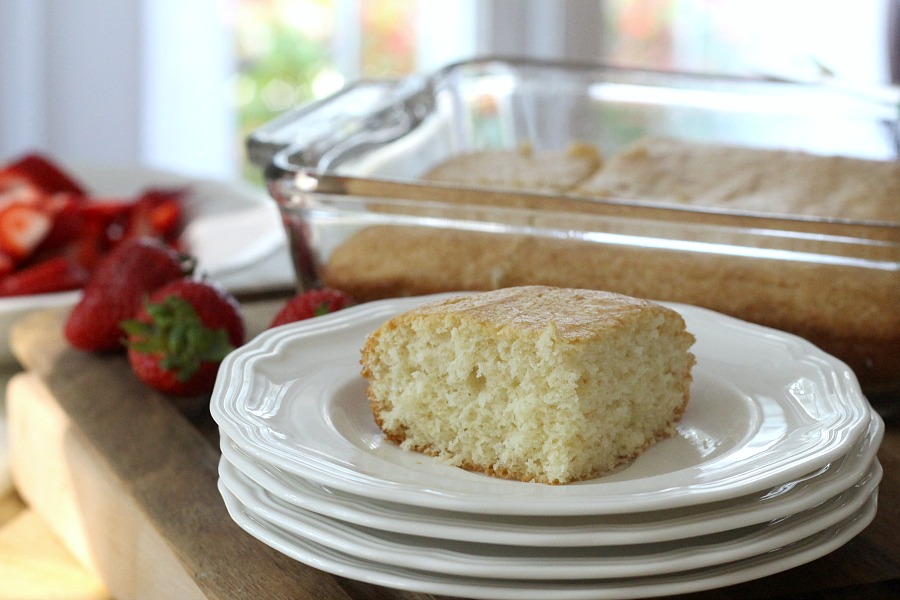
x: 350, y: 176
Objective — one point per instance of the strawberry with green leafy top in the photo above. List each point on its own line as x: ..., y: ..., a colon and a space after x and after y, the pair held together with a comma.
x: 185, y: 329
x: 313, y: 303
x: 116, y: 289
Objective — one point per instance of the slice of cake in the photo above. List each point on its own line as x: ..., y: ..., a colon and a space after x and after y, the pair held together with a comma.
x: 532, y: 383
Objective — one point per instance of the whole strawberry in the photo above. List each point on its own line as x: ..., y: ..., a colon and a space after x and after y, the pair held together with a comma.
x: 313, y: 303
x: 185, y: 329
x: 120, y: 282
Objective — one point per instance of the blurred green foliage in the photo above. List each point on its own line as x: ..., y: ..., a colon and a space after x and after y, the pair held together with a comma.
x: 284, y: 52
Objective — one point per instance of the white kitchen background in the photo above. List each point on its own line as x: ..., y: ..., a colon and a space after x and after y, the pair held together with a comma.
x: 170, y: 83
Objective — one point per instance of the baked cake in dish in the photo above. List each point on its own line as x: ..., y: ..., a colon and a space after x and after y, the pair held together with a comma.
x: 762, y: 181
x: 520, y: 168
x: 532, y: 383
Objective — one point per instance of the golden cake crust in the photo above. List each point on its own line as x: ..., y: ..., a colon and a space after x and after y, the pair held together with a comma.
x: 575, y: 313
x: 750, y: 179
x: 523, y: 168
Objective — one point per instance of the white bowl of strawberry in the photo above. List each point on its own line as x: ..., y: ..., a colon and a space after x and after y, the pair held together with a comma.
x: 58, y: 221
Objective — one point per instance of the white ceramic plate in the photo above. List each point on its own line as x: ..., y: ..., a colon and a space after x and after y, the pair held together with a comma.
x: 550, y: 563
x: 693, y: 580
x: 766, y: 408
x: 233, y: 229
x: 637, y: 528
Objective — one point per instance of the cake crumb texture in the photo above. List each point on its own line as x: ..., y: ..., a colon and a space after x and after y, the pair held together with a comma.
x: 532, y: 383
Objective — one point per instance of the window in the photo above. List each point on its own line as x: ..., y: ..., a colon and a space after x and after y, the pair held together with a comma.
x: 176, y: 85
x: 293, y: 51
x: 797, y: 39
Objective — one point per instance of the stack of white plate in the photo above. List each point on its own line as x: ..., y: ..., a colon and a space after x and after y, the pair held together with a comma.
x: 773, y: 466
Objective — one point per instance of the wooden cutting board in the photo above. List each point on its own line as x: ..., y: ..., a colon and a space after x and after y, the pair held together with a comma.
x: 127, y: 479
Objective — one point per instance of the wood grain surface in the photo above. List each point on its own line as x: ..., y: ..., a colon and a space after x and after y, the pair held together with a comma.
x: 127, y: 478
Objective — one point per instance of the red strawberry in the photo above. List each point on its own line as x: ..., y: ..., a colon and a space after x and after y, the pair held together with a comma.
x: 118, y: 286
x: 157, y: 213
x: 313, y: 303
x: 72, y: 213
x: 186, y: 328
x: 40, y: 172
x: 53, y: 275
x: 22, y: 229
x: 7, y: 264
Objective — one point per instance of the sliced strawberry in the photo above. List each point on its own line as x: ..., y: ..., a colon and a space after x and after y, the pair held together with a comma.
x: 107, y: 209
x: 22, y: 228
x: 54, y: 275
x: 45, y: 214
x: 7, y: 264
x: 12, y: 183
x: 92, y: 244
x: 166, y: 218
x: 156, y: 213
x: 21, y: 192
x: 40, y: 172
x: 112, y: 214
x: 66, y: 211
x: 77, y: 234
x: 102, y: 223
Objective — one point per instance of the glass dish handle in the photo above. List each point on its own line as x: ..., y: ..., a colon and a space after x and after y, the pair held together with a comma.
x: 361, y: 116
